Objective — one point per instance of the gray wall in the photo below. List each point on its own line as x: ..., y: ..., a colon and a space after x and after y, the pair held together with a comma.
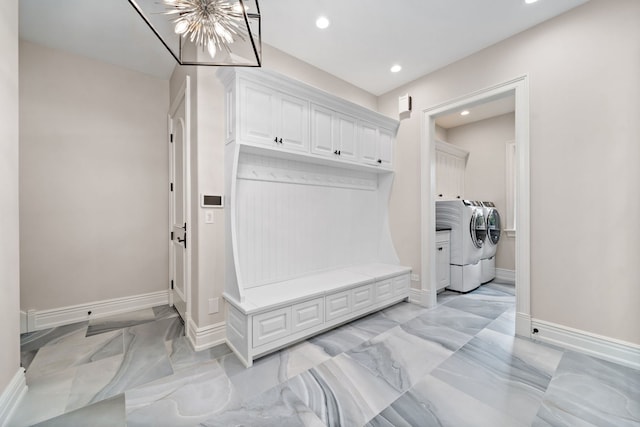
x: 93, y: 180
x: 583, y: 70
x: 485, y: 176
x: 9, y: 243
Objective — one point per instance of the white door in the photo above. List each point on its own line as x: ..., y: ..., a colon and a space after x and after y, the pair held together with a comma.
x: 178, y: 199
x: 293, y: 126
x: 321, y: 131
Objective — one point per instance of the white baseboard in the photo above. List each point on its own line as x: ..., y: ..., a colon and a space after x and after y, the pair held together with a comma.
x: 206, y: 337
x: 11, y: 396
x: 505, y: 276
x: 419, y: 296
x: 43, y: 319
x: 606, y: 348
x: 523, y: 325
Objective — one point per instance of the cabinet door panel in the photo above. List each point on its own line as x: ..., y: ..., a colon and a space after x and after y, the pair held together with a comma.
x: 271, y: 326
x: 321, y: 131
x: 346, y: 136
x: 384, y: 290
x: 362, y: 297
x: 368, y: 135
x: 338, y: 305
x: 293, y: 122
x: 257, y: 115
x: 385, y: 147
x: 307, y: 314
x: 401, y: 285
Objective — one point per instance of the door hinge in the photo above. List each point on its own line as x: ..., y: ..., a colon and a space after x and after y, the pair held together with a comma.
x: 171, y: 186
x: 172, y: 235
x: 172, y: 284
x: 171, y: 138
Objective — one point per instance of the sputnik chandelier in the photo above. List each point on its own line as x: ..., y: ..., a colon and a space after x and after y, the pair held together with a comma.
x: 206, y: 32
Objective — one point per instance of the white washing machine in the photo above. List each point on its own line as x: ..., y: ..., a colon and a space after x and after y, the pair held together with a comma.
x: 468, y: 227
x: 488, y: 261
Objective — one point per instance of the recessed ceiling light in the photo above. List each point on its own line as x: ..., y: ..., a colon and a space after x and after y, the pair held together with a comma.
x: 530, y: 1
x: 464, y: 113
x: 396, y: 68
x: 322, y: 22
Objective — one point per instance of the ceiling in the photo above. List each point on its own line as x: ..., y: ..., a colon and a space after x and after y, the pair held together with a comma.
x: 362, y: 42
x: 479, y: 112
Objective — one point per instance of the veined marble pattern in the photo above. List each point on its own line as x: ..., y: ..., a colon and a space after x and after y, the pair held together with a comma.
x: 457, y: 364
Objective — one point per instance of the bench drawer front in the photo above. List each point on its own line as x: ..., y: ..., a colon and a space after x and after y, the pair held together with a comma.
x: 271, y: 326
x: 307, y: 314
x: 338, y: 305
x: 384, y: 290
x: 362, y: 297
x: 401, y: 285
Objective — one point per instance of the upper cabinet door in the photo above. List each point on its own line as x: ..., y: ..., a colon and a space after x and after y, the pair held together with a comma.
x: 385, y: 148
x: 346, y: 136
x: 292, y: 129
x: 368, y: 142
x: 257, y: 114
x: 321, y: 131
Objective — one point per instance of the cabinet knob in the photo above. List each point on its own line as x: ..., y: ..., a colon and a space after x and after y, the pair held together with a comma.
x: 380, y: 161
x: 439, y: 195
x: 275, y: 139
x: 280, y: 141
x: 335, y: 152
x: 440, y: 248
x: 339, y: 152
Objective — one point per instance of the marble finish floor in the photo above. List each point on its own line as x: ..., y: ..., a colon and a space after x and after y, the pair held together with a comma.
x: 458, y: 364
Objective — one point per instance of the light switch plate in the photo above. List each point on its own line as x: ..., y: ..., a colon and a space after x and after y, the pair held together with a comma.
x: 208, y: 217
x: 214, y: 305
x: 415, y: 277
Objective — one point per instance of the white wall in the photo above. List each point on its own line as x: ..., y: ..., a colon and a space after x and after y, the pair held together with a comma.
x: 208, y: 164
x: 485, y: 175
x: 9, y: 221
x: 585, y: 180
x: 93, y: 180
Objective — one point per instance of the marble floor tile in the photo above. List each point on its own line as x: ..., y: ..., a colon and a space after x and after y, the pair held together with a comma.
x: 589, y: 391
x: 186, y: 398
x: 492, y: 292
x: 90, y: 379
x: 57, y: 357
x: 119, y: 321
x: 164, y: 312
x: 145, y: 359
x: 106, y: 413
x: 35, y: 340
x: 505, y: 323
x: 387, y: 358
x: 461, y: 321
x: 508, y: 288
x: 447, y: 295
x: 173, y: 327
x: 341, y: 392
x: 182, y: 354
x: 432, y: 402
x: 278, y: 406
x: 374, y: 324
x: 267, y: 372
x: 481, y: 307
x: 46, y: 398
x: 403, y: 312
x: 445, y: 336
x: 339, y: 340
x: 26, y: 357
x: 507, y: 373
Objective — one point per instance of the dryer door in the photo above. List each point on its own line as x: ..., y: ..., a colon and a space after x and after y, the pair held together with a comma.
x: 478, y: 228
x: 493, y: 226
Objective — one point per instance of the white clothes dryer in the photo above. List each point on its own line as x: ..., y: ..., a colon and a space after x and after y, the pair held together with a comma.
x: 465, y: 219
x: 488, y: 262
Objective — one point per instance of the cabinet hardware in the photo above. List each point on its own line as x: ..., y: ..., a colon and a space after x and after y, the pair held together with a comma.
x: 439, y: 195
x: 380, y: 161
x: 440, y: 248
x: 339, y: 152
x: 275, y: 139
x: 280, y: 141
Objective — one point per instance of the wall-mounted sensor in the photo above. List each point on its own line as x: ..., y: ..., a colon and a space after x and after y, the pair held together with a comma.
x: 211, y: 201
x: 404, y: 104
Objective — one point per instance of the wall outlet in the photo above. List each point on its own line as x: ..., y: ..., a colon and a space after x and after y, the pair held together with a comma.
x: 415, y: 277
x: 214, y: 305
x: 208, y: 217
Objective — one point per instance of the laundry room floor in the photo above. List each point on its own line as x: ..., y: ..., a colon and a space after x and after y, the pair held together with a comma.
x: 458, y: 364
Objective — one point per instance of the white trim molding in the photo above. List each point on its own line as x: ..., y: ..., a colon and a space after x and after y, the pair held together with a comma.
x: 420, y: 297
x: 506, y: 276
x: 611, y: 349
x: 518, y: 87
x: 23, y: 322
x: 12, y: 395
x: 207, y: 336
x: 43, y: 319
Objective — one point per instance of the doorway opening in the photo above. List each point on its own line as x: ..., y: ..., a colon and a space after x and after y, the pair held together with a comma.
x: 517, y: 88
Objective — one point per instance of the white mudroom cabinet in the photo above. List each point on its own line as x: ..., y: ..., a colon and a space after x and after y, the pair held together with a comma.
x: 308, y: 179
